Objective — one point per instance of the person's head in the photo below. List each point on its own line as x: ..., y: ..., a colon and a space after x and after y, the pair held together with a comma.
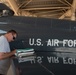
x: 11, y: 35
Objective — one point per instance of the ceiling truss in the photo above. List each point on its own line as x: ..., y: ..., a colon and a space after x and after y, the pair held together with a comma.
x: 61, y: 9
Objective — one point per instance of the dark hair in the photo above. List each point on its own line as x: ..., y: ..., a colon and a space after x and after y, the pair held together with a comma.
x: 12, y: 31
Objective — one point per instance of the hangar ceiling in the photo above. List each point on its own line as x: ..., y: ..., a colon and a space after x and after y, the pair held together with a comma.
x: 61, y: 9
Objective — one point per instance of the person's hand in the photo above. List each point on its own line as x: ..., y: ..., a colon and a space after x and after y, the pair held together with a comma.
x: 14, y: 51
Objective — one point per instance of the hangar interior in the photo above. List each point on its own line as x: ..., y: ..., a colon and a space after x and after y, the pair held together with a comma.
x: 60, y: 9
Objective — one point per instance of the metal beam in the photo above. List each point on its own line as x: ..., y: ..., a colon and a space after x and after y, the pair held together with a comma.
x: 73, y: 10
x: 68, y: 13
x: 46, y: 8
x: 13, y: 5
x: 16, y: 9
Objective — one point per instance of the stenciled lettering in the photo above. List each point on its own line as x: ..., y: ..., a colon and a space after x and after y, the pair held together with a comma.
x: 53, y: 42
x: 35, y: 42
x: 69, y: 43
